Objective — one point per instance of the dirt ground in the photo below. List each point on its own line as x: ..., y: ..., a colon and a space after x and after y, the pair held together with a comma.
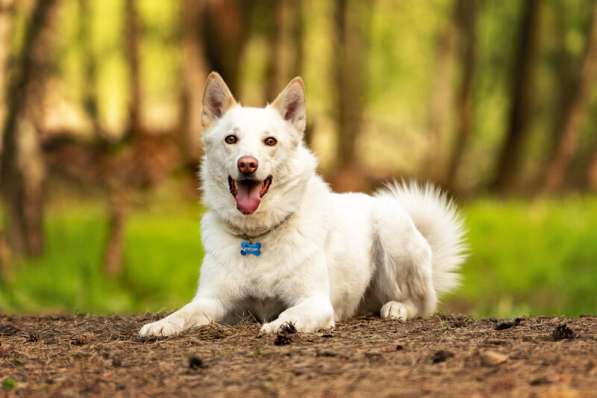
x: 442, y: 356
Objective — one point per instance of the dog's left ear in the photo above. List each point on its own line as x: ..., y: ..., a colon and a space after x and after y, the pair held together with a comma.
x: 291, y: 104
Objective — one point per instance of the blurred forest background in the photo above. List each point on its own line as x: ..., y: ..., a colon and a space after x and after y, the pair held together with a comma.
x: 100, y: 102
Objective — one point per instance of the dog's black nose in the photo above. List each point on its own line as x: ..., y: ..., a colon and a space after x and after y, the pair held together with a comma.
x: 247, y: 164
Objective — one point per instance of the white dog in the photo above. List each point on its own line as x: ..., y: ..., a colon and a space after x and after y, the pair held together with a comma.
x: 281, y: 246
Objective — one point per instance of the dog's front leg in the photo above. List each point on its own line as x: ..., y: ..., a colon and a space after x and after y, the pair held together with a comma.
x: 308, y: 315
x: 201, y: 311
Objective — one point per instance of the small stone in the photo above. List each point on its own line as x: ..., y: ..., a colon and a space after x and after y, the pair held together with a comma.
x: 492, y: 358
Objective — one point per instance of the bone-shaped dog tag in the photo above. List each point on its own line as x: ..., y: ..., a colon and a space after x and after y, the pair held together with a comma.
x: 247, y: 248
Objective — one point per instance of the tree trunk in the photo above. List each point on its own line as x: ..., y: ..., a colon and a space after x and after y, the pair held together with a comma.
x: 439, y: 106
x: 274, y: 35
x: 296, y: 15
x: 7, y: 9
x: 466, y: 21
x: 193, y: 76
x: 90, y: 103
x: 592, y: 173
x: 6, y: 23
x: 225, y: 35
x: 566, y: 68
x: 5, y: 256
x: 132, y: 34
x: 118, y: 181
x: 113, y: 251
x: 352, y: 37
x: 22, y: 172
x: 297, y: 49
x: 284, y: 38
x: 575, y: 112
x: 521, y: 98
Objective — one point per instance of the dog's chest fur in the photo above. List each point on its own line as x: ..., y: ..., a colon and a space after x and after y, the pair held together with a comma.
x: 259, y: 286
x: 263, y: 309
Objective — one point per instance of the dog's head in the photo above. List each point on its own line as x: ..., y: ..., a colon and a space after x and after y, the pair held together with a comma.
x: 255, y: 155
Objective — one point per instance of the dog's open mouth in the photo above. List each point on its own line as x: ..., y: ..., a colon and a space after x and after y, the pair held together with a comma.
x: 248, y: 192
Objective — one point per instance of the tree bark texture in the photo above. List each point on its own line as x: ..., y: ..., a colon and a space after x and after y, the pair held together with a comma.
x: 576, y: 111
x: 466, y: 22
x: 508, y: 164
x: 225, y: 35
x: 193, y: 76
x: 132, y: 35
x: 352, y: 37
x: 21, y: 168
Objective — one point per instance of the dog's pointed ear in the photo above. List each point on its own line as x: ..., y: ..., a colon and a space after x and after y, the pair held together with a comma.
x: 291, y: 104
x: 217, y: 99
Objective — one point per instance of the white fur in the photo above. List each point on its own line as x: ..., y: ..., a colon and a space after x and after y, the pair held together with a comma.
x: 336, y: 255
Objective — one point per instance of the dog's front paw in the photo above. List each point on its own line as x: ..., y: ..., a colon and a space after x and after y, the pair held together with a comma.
x: 303, y: 326
x: 161, y: 328
x: 274, y: 327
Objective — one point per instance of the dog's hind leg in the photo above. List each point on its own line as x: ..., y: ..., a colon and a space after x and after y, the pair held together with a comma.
x: 403, y: 281
x: 400, y: 310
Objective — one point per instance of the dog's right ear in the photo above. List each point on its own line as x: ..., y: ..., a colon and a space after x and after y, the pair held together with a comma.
x: 217, y: 99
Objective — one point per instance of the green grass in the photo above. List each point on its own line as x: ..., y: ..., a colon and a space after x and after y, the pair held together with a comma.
x: 161, y: 262
x: 526, y: 258
x: 531, y: 258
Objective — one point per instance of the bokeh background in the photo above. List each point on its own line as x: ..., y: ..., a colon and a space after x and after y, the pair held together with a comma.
x: 100, y: 100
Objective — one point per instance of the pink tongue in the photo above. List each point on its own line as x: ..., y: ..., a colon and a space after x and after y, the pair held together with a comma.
x: 247, y: 198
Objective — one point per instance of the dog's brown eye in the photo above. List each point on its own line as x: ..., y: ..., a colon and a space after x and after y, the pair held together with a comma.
x: 270, y: 141
x: 231, y: 139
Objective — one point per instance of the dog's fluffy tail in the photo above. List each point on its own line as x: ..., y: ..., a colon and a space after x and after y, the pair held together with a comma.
x: 435, y: 216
